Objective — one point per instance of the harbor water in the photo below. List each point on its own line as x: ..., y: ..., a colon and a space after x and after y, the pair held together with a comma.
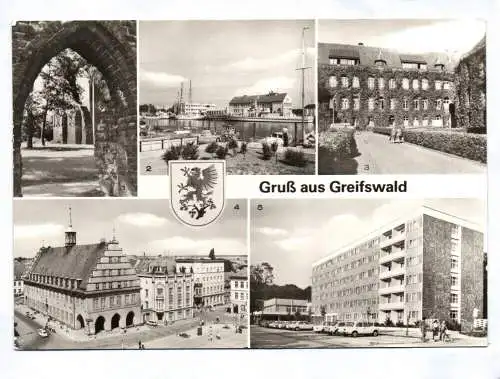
x: 246, y: 130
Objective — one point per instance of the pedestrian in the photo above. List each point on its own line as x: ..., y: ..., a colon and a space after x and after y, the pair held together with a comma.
x: 143, y: 347
x: 423, y: 329
x: 443, y: 331
x: 140, y: 344
x: 435, y: 330
x: 210, y: 333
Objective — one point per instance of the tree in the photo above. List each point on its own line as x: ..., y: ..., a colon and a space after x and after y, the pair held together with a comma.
x: 211, y: 255
x: 32, y: 119
x: 262, y: 273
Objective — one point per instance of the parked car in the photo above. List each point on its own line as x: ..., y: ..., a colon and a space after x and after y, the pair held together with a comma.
x: 303, y: 325
x: 152, y: 323
x: 291, y: 325
x: 281, y: 324
x: 43, y: 332
x: 276, y: 137
x: 360, y: 328
x: 320, y: 328
x: 272, y: 324
x: 335, y: 328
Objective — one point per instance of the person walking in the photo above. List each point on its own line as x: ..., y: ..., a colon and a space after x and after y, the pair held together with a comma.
x: 423, y: 329
x: 140, y: 344
x: 435, y: 330
x: 443, y: 331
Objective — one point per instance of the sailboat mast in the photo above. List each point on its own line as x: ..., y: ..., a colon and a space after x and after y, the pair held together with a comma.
x: 303, y: 69
x: 190, y: 94
x: 182, y: 93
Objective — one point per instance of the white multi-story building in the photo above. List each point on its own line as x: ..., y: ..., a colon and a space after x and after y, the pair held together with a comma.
x: 166, y: 292
x: 196, y: 109
x: 208, y: 276
x: 239, y: 292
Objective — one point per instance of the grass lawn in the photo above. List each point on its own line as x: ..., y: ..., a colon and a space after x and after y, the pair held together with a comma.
x: 60, y: 170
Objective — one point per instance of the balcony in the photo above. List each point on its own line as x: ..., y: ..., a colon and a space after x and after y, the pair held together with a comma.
x: 394, y: 255
x: 392, y: 238
x: 391, y: 306
x: 400, y: 271
x: 391, y: 289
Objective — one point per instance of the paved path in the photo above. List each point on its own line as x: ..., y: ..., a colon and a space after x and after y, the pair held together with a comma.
x: 281, y: 338
x: 378, y: 156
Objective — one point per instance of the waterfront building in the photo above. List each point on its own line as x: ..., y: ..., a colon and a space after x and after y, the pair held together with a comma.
x: 208, y: 276
x: 195, y: 109
x: 166, y: 293
x: 279, y: 104
x: 239, y: 296
x: 471, y: 88
x: 91, y: 287
x: 368, y: 86
x: 217, y: 112
x: 427, y: 265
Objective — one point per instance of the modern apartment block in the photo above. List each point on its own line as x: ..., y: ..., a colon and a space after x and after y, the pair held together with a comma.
x: 429, y: 265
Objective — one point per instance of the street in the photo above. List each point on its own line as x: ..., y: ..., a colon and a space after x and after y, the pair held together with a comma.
x: 263, y: 338
x: 379, y: 156
x: 152, y: 337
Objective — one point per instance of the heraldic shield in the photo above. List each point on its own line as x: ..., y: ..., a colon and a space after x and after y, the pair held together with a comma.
x: 197, y: 193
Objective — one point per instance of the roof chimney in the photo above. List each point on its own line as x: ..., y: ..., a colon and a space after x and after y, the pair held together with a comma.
x: 360, y: 44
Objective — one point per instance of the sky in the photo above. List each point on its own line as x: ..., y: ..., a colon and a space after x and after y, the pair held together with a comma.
x: 140, y: 226
x: 417, y: 36
x: 223, y: 59
x: 292, y: 244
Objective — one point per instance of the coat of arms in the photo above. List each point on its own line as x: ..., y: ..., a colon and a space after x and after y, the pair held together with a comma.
x: 197, y: 190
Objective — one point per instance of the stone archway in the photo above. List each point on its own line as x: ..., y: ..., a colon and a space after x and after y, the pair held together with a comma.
x: 129, y: 321
x: 115, y: 321
x: 80, y: 323
x: 99, y: 324
x: 111, y: 47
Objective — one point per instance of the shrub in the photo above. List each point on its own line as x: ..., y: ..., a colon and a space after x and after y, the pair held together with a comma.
x: 221, y: 152
x: 211, y: 147
x: 233, y: 145
x: 190, y: 151
x: 285, y: 139
x: 243, y: 148
x: 466, y: 145
x: 476, y: 130
x: 341, y: 144
x: 172, y: 154
x: 266, y: 151
x: 295, y: 157
x: 388, y: 322
x: 400, y: 324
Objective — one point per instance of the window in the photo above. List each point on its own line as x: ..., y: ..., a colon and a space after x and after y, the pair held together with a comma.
x: 415, y: 104
x: 345, y: 82
x: 454, y: 298
x: 454, y: 263
x: 406, y: 83
x: 235, y: 284
x: 96, y: 303
x: 146, y: 292
x: 103, y: 302
x: 159, y: 291
x: 439, y: 104
x: 97, y: 286
x: 333, y: 61
x: 356, y: 103
x: 355, y: 82
x: 381, y: 104
x: 345, y: 103
x: 409, y: 65
x: 236, y: 295
x: 119, y: 300
x: 371, y: 83
x: 446, y: 85
x: 425, y: 84
x: 454, y: 246
x: 454, y: 281
x: 405, y: 104
x: 415, y: 84
x: 425, y: 104
x: 438, y: 84
x: 393, y: 103
x: 112, y: 301
x: 381, y: 83
x: 371, y: 104
x: 392, y: 83
x: 454, y: 314
x: 333, y: 81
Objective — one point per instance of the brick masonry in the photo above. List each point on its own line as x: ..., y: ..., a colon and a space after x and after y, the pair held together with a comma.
x: 111, y: 47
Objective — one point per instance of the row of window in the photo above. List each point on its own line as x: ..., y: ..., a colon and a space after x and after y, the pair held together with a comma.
x: 380, y: 104
x: 240, y: 296
x: 349, y: 253
x: 350, y: 291
x: 382, y: 63
x: 352, y: 304
x: 392, y: 83
x: 104, y: 302
x: 55, y: 281
x: 242, y: 284
x: 48, y: 294
x: 114, y: 272
x: 115, y: 285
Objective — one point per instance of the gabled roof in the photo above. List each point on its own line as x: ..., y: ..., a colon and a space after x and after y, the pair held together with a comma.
x: 269, y: 98
x: 155, y: 265
x: 75, y: 262
x: 367, y: 55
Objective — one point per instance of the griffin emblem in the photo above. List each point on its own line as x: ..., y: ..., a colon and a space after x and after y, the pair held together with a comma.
x: 196, y: 191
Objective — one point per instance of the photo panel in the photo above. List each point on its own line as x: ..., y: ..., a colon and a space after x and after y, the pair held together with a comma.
x: 368, y: 273
x: 128, y: 275
x: 411, y: 89
x: 74, y: 108
x: 242, y: 91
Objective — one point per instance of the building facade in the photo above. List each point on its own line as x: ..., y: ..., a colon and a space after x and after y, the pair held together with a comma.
x: 91, y: 287
x: 21, y: 267
x: 239, y: 296
x: 279, y: 104
x: 284, y: 307
x: 208, y: 276
x: 470, y: 82
x: 196, y: 109
x: 429, y: 265
x: 166, y: 294
x: 371, y: 87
